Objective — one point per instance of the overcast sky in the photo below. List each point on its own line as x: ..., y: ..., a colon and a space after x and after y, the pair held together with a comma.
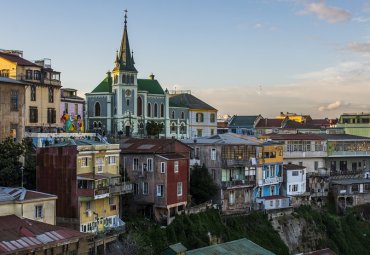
x: 240, y: 56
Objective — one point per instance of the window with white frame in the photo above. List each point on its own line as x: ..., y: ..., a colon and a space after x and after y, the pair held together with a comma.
x: 135, y: 166
x: 38, y: 211
x: 163, y: 167
x: 294, y: 187
x: 160, y: 190
x: 176, y: 166
x: 213, y: 154
x: 99, y: 163
x: 295, y: 173
x: 231, y: 197
x: 145, y: 188
x: 179, y: 189
x: 112, y: 160
x: 150, y: 165
x: 84, y: 162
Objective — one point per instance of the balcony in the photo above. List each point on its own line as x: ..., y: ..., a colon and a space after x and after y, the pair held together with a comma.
x: 237, y: 183
x: 270, y: 181
x: 305, y: 154
x: 348, y: 153
x: 235, y: 163
x: 97, y: 193
x: 123, y: 188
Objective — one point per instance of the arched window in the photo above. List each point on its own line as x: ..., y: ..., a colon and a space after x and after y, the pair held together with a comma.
x: 182, y: 115
x: 139, y: 106
x: 155, y: 110
x: 172, y: 114
x: 182, y: 128
x: 162, y: 110
x: 95, y: 124
x: 124, y: 80
x: 149, y: 110
x: 99, y: 124
x: 97, y: 109
x: 128, y: 102
x: 173, y: 127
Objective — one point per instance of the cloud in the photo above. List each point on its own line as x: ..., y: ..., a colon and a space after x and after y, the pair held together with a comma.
x: 359, y: 47
x: 324, y: 93
x: 327, y: 13
x: 333, y: 106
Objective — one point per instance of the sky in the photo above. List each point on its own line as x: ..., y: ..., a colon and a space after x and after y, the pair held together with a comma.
x: 243, y: 57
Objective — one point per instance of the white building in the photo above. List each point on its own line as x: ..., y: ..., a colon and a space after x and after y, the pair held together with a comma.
x: 295, y: 179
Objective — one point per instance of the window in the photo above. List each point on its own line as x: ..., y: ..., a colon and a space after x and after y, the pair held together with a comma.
x: 212, y: 118
x: 213, y: 154
x: 33, y: 92
x: 38, y: 211
x: 354, y: 187
x: 160, y: 190
x: 139, y: 106
x: 316, y: 165
x: 199, y: 117
x: 97, y: 109
x: 272, y: 190
x: 295, y: 173
x: 124, y: 78
x: 231, y: 197
x: 112, y: 160
x: 84, y: 162
x: 300, y: 163
x: 149, y: 113
x: 179, y: 189
x: 343, y: 165
x: 295, y: 188
x: 76, y: 109
x: 51, y: 94
x: 99, y: 163
x: 199, y: 132
x: 135, y: 166
x: 150, y: 164
x: 33, y: 115
x: 212, y: 131
x: 136, y: 188
x: 176, y: 167
x: 182, y: 115
x: 173, y: 127
x: 163, y: 167
x: 37, y: 75
x: 14, y: 101
x: 29, y: 75
x: 128, y: 102
x: 145, y: 188
x: 66, y: 108
x: 162, y: 110
x: 155, y: 110
x: 173, y: 115
x: 4, y: 73
x: 51, y: 114
x: 115, y: 79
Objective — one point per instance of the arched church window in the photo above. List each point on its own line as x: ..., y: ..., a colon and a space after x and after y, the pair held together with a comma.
x: 173, y: 115
x: 182, y: 115
x: 95, y: 124
x: 139, y: 106
x: 115, y: 79
x: 149, y: 110
x: 173, y: 127
x: 128, y: 102
x: 124, y: 80
x: 97, y: 109
x: 162, y: 110
x: 182, y: 128
x: 155, y: 110
x: 99, y: 124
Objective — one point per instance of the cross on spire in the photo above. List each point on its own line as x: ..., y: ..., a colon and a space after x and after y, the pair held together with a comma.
x: 125, y: 17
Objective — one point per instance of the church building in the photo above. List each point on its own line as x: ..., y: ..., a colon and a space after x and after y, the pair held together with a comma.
x: 124, y: 104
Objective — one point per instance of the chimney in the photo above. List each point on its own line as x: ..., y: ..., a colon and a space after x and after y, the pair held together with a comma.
x: 151, y: 76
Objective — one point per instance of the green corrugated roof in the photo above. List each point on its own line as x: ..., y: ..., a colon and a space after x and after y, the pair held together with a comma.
x: 237, y: 247
x: 104, y: 86
x: 149, y: 85
x: 189, y: 101
x: 243, y: 121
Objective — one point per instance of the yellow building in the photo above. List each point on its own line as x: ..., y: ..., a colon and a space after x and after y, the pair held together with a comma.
x: 84, y: 173
x: 295, y: 117
x: 42, y: 95
x: 28, y: 204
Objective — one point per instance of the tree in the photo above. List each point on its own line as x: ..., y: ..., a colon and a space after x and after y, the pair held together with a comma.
x: 10, y: 166
x: 153, y: 128
x: 30, y: 164
x: 202, y: 187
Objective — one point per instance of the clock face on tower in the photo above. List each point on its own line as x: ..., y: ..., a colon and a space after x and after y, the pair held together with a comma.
x: 128, y: 92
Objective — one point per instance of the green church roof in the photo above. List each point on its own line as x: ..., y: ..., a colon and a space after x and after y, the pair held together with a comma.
x: 149, y: 85
x: 104, y: 86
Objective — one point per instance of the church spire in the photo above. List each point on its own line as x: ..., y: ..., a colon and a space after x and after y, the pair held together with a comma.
x: 125, y: 60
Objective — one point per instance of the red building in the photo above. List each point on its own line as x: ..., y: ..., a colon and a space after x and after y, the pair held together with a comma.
x: 159, y: 171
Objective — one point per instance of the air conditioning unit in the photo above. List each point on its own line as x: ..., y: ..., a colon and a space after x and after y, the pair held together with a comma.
x: 88, y: 213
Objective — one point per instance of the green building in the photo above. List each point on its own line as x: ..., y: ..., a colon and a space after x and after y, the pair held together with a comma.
x: 355, y: 123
